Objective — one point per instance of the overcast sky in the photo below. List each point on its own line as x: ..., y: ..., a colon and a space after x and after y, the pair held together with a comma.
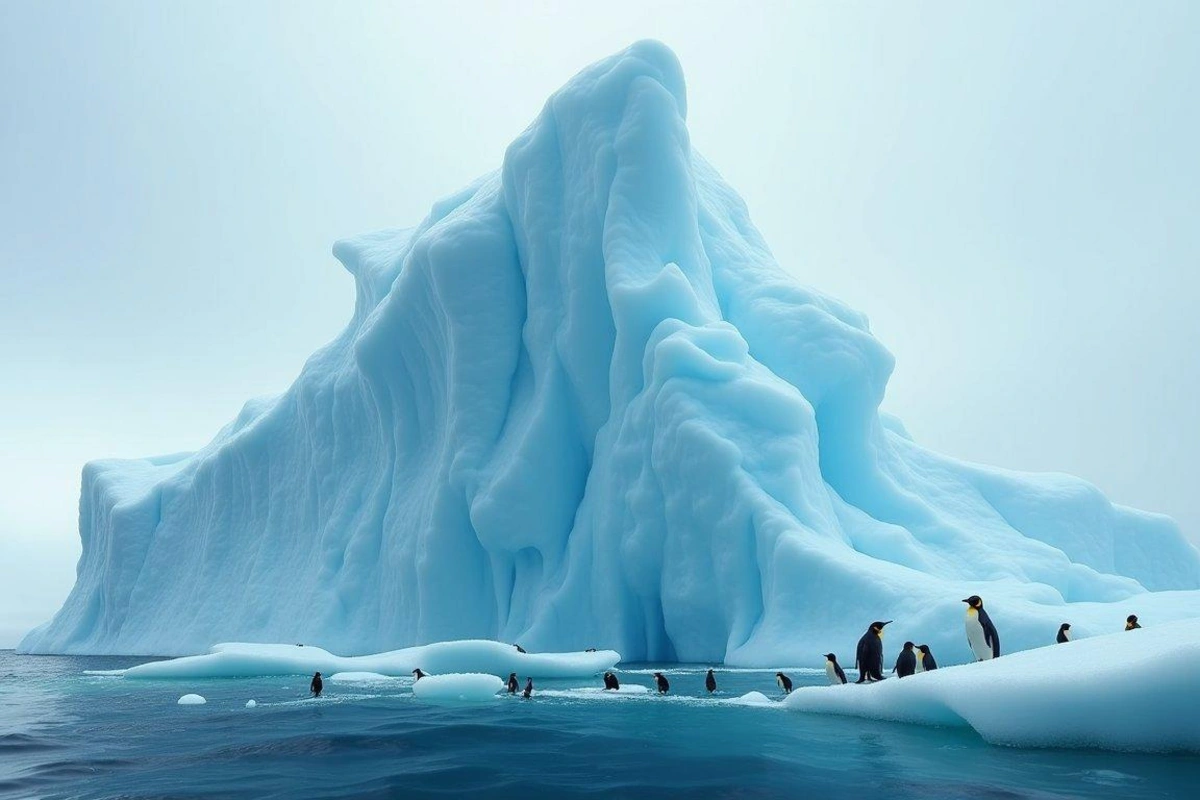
x: 1010, y: 193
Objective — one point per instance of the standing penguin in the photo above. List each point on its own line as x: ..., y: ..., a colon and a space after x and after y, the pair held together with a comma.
x: 1131, y: 623
x: 1064, y: 633
x: 611, y: 682
x: 869, y: 655
x: 317, y: 685
x: 710, y: 682
x: 906, y: 662
x: 513, y: 684
x: 661, y: 682
x: 783, y: 682
x: 833, y: 670
x: 981, y: 633
x: 925, y: 660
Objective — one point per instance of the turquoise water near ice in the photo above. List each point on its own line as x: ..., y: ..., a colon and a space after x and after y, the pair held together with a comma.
x: 64, y: 734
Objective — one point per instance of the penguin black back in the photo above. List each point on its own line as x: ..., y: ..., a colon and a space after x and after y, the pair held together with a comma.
x: 783, y: 682
x: 906, y: 662
x: 1064, y: 633
x: 869, y: 653
x: 710, y: 682
x: 513, y: 684
x: 611, y: 682
x: 528, y: 688
x: 661, y: 682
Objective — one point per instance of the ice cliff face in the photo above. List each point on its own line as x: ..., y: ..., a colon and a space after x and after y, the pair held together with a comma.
x: 580, y: 405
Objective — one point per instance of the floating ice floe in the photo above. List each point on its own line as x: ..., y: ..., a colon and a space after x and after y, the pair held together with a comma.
x: 1136, y: 690
x: 751, y: 699
x: 251, y: 704
x: 458, y: 687
x: 191, y: 700
x: 245, y: 660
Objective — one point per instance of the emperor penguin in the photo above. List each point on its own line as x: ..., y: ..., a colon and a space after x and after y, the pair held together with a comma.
x: 528, y: 693
x: 1064, y: 633
x: 513, y: 684
x: 1131, y: 622
x: 710, y: 682
x: 783, y: 682
x: 906, y: 662
x: 417, y: 674
x: 925, y: 661
x: 833, y: 670
x: 981, y: 633
x: 661, y: 683
x: 869, y: 655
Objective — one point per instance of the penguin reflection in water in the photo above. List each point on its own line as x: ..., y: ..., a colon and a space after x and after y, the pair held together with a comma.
x: 710, y: 682
x: 869, y: 656
x: 833, y: 670
x: 513, y: 684
x: 981, y: 633
x: 661, y: 682
x: 783, y: 682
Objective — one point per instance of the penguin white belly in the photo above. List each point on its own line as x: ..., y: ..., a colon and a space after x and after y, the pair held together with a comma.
x: 920, y: 662
x: 976, y: 639
x: 834, y: 680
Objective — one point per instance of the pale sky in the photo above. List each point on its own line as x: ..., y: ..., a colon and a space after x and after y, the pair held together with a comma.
x: 1009, y: 192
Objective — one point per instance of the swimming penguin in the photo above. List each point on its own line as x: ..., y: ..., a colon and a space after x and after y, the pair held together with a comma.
x: 783, y: 682
x: 906, y: 662
x: 417, y: 674
x: 1064, y: 633
x: 528, y: 693
x: 869, y: 656
x: 925, y: 660
x: 710, y: 682
x: 833, y: 670
x: 611, y: 682
x: 317, y: 685
x: 981, y: 633
x: 513, y: 684
x: 661, y: 682
x: 1131, y: 622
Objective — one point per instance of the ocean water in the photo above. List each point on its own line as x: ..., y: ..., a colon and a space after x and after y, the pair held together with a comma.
x: 70, y: 735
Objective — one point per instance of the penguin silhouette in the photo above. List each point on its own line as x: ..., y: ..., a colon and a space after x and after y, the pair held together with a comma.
x: 317, y: 685
x: 869, y: 654
x: 417, y: 674
x: 906, y: 662
x: 981, y: 633
x: 926, y: 658
x: 1064, y: 633
x: 833, y: 670
x: 710, y: 682
x: 611, y: 682
x: 513, y: 684
x: 1131, y: 623
x: 528, y: 693
x: 662, y: 683
x: 783, y: 682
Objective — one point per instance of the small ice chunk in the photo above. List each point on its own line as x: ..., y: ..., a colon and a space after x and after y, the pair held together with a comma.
x: 251, y: 704
x: 750, y: 699
x: 191, y: 700
x: 460, y: 686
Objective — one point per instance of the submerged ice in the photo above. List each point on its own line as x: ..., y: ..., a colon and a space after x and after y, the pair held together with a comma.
x: 580, y: 405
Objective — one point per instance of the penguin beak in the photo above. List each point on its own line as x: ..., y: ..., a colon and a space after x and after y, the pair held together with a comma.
x: 966, y: 600
x: 889, y: 622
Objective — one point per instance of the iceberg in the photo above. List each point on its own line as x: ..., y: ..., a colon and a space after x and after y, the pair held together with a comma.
x: 247, y: 660
x: 580, y: 405
x: 1137, y: 690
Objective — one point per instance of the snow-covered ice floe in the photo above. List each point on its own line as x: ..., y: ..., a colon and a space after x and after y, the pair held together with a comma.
x: 246, y: 660
x: 458, y: 687
x: 1136, y: 690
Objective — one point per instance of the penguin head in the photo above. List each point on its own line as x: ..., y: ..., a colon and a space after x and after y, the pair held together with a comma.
x: 908, y: 645
x: 924, y: 648
x: 512, y: 674
x: 1066, y: 626
x: 1131, y: 619
x: 317, y: 675
x: 418, y: 674
x: 778, y: 674
x: 831, y: 657
x: 974, y: 601
x: 878, y: 626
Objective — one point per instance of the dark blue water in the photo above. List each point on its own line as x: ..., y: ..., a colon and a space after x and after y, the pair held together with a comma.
x: 66, y: 734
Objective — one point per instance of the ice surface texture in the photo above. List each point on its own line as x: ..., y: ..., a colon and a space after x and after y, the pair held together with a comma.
x: 244, y: 660
x: 458, y: 687
x: 1128, y: 691
x: 580, y: 405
